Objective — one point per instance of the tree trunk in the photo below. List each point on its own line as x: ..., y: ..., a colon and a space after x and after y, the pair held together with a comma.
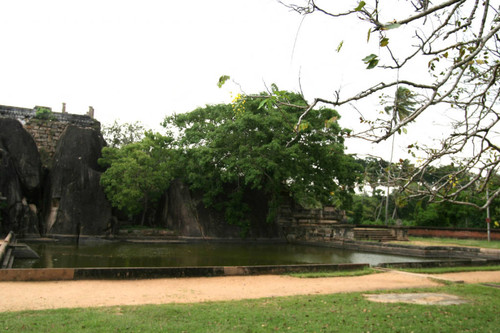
x: 388, y: 179
x: 394, y: 212
x: 143, y: 218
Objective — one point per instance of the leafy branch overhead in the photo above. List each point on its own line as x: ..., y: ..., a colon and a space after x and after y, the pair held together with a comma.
x: 447, y: 54
x: 222, y: 80
x: 371, y: 60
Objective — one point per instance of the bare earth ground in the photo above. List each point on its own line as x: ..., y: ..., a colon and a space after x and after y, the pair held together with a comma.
x: 18, y: 296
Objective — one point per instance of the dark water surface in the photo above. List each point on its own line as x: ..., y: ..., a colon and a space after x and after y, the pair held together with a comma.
x: 121, y: 254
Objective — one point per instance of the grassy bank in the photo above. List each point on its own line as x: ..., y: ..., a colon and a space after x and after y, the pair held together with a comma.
x: 442, y: 270
x: 326, y: 313
x: 453, y: 241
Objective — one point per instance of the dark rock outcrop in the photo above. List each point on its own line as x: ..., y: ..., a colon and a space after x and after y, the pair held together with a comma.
x: 20, y: 178
x: 75, y: 203
x: 184, y: 212
x: 178, y: 211
x: 10, y: 190
x: 23, y: 151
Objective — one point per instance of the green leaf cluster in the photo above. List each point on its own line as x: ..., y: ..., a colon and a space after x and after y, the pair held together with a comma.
x: 43, y: 113
x: 222, y: 80
x: 138, y: 173
x: 371, y: 61
x: 403, y: 104
x: 360, y: 6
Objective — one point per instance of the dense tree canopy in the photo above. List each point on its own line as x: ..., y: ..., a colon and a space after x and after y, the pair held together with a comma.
x: 228, y: 149
x: 137, y: 173
x: 224, y: 151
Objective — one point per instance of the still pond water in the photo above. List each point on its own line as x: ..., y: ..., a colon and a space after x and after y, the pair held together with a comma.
x: 120, y: 254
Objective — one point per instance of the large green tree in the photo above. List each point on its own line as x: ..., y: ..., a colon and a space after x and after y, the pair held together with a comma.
x: 254, y: 145
x: 138, y: 173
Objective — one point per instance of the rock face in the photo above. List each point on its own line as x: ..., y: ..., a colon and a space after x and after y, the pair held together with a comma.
x: 74, y: 203
x: 63, y: 200
x: 184, y: 212
x: 20, y: 178
x: 22, y: 149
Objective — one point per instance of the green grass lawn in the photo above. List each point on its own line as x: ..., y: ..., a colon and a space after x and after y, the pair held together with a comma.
x: 357, y: 272
x: 441, y: 270
x: 455, y: 241
x: 326, y: 313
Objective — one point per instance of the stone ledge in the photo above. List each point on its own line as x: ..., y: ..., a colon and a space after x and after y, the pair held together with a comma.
x: 136, y: 273
x: 451, y: 252
x: 24, y: 114
x: 438, y: 263
x: 34, y: 274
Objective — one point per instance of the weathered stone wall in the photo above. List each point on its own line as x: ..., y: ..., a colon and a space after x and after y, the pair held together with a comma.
x: 24, y: 114
x: 329, y: 225
x: 310, y: 225
x: 47, y: 133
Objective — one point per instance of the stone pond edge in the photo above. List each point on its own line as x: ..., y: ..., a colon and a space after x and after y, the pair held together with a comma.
x: 447, y: 256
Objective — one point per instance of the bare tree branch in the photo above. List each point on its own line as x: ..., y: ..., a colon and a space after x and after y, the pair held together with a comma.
x: 460, y: 42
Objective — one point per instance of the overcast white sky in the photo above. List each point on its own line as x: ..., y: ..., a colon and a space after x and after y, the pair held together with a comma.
x: 143, y: 60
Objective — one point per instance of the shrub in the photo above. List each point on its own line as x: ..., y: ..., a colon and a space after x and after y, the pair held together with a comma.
x: 43, y: 113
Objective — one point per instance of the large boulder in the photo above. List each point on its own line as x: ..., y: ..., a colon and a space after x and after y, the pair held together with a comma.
x: 11, y: 193
x: 21, y: 147
x: 20, y: 177
x: 178, y: 211
x: 75, y: 203
x: 184, y: 212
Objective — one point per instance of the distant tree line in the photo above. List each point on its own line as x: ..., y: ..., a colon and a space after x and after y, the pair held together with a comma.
x: 419, y: 210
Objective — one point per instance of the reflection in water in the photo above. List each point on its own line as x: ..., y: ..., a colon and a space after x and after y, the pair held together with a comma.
x: 119, y: 254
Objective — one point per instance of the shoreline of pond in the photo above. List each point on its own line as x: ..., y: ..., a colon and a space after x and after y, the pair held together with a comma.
x: 448, y: 256
x: 421, y: 251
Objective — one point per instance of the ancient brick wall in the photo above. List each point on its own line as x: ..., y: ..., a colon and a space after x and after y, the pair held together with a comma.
x: 323, y: 225
x: 46, y: 132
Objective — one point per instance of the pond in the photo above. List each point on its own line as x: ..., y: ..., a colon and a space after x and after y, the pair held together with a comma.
x: 122, y: 254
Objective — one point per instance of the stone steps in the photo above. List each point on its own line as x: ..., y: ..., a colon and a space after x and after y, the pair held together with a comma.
x: 302, y: 221
x: 381, y: 235
x: 148, y: 234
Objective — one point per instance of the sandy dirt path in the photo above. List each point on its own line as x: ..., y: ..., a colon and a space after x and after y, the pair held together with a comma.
x: 89, y: 293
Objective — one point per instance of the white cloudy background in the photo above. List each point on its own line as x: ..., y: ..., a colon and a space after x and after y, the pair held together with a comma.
x: 143, y: 60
